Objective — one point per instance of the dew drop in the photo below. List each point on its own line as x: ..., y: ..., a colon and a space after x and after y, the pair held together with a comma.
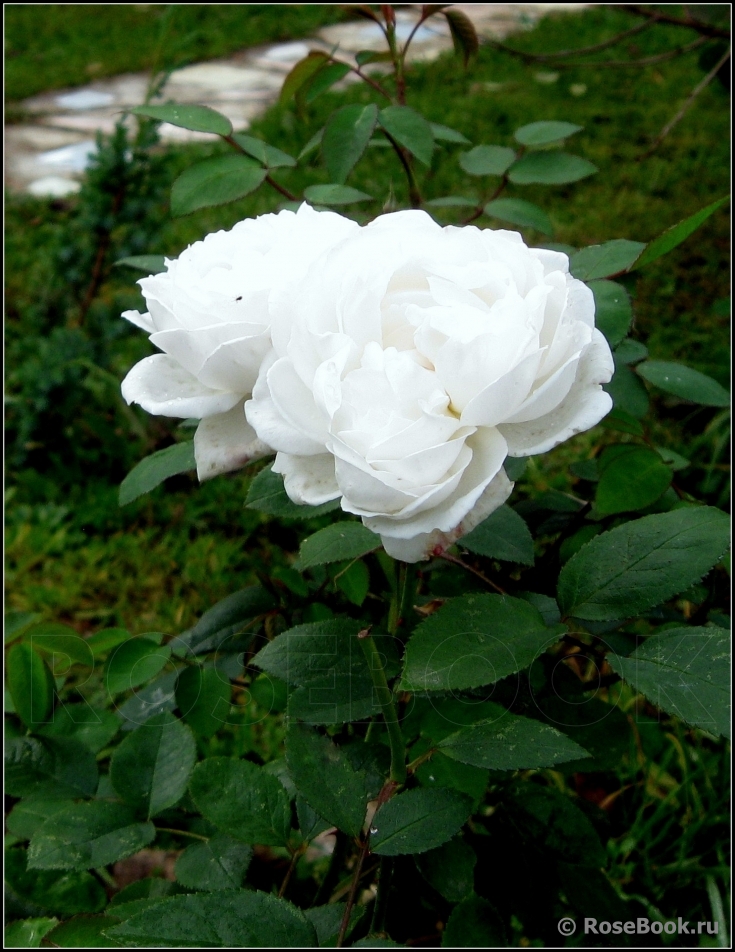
x: 373, y: 830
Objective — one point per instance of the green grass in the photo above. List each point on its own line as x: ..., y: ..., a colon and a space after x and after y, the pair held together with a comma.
x: 59, y: 45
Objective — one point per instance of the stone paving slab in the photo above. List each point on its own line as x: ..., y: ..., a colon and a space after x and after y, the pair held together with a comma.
x: 47, y: 156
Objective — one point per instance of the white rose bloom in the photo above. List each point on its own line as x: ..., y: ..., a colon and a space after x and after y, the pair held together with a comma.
x: 411, y: 360
x: 210, y: 314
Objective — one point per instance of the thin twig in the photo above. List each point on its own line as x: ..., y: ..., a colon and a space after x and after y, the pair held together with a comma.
x: 455, y: 561
x: 646, y: 61
x: 706, y: 29
x: 271, y: 181
x: 583, y: 51
x: 413, y: 190
x: 685, y: 107
x: 194, y: 836
x: 353, y: 890
x: 295, y: 856
x: 481, y: 207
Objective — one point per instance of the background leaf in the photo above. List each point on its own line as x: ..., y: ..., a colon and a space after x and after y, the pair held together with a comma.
x: 301, y: 73
x: 545, y: 132
x: 27, y: 933
x: 550, y: 168
x: 509, y: 742
x: 203, y: 697
x: 196, y: 118
x: 242, y: 800
x: 464, y: 35
x: 215, y: 182
x: 223, y: 620
x: 642, y: 563
x: 83, y: 932
x: 686, y: 672
x: 601, y: 261
x: 267, y: 155
x: 150, y: 769
x: 50, y: 767
x: 345, y: 138
x: 220, y: 863
x: 244, y: 919
x: 474, y: 923
x: 631, y: 477
x: 487, y: 160
x: 410, y: 130
x: 335, y: 543
x: 613, y: 311
x: 151, y: 471
x: 519, y: 212
x: 503, y: 535
x: 150, y: 264
x: 450, y: 869
x: 88, y: 835
x: 134, y: 662
x: 326, y: 779
x: 474, y: 640
x: 335, y: 195
x: 418, y: 820
x: 31, y: 685
x: 678, y: 233
x: 684, y: 382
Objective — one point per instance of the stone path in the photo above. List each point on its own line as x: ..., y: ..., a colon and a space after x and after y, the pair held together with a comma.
x: 47, y: 155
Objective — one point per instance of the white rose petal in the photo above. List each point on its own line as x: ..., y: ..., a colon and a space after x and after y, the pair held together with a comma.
x: 409, y: 360
x: 226, y: 442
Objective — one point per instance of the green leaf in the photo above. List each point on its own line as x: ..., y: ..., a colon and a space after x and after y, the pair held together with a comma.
x: 267, y: 494
x: 27, y: 815
x: 215, y: 182
x: 686, y: 672
x: 630, y: 351
x: 312, y: 145
x: 556, y: 824
x: 487, y: 160
x: 600, y: 728
x: 134, y: 662
x: 336, y: 543
x: 325, y: 778
x: 409, y: 129
x: 678, y: 233
x: 627, y: 391
x: 327, y: 921
x: 354, y: 582
x: 267, y: 155
x: 450, y: 869
x: 31, y: 685
x: 324, y: 79
x: 243, y: 919
x: 464, y: 35
x: 345, y: 138
x: 16, y: 622
x: 503, y: 535
x: 151, y: 471
x: 27, y: 933
x: 441, y: 771
x: 220, y: 863
x: 418, y: 820
x: 474, y: 640
x: 151, y: 264
x: 631, y: 477
x: 203, y: 697
x: 545, y: 132
x: 451, y: 201
x: 334, y: 195
x: 195, y: 118
x: 310, y: 823
x: 602, y: 261
x: 53, y: 768
x: 154, y: 698
x: 221, y: 622
x: 684, y: 382
x: 518, y: 212
x: 301, y: 73
x: 622, y: 422
x: 88, y: 835
x: 509, y: 742
x: 550, y: 168
x: 55, y: 891
x: 327, y: 663
x: 474, y: 924
x: 65, y: 645
x: 103, y: 641
x: 93, y: 728
x: 613, y: 310
x: 83, y: 932
x: 642, y: 563
x: 445, y: 134
x: 242, y: 800
x: 150, y: 769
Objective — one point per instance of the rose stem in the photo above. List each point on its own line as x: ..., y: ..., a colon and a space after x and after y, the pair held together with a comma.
x: 385, y: 699
x: 385, y: 876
